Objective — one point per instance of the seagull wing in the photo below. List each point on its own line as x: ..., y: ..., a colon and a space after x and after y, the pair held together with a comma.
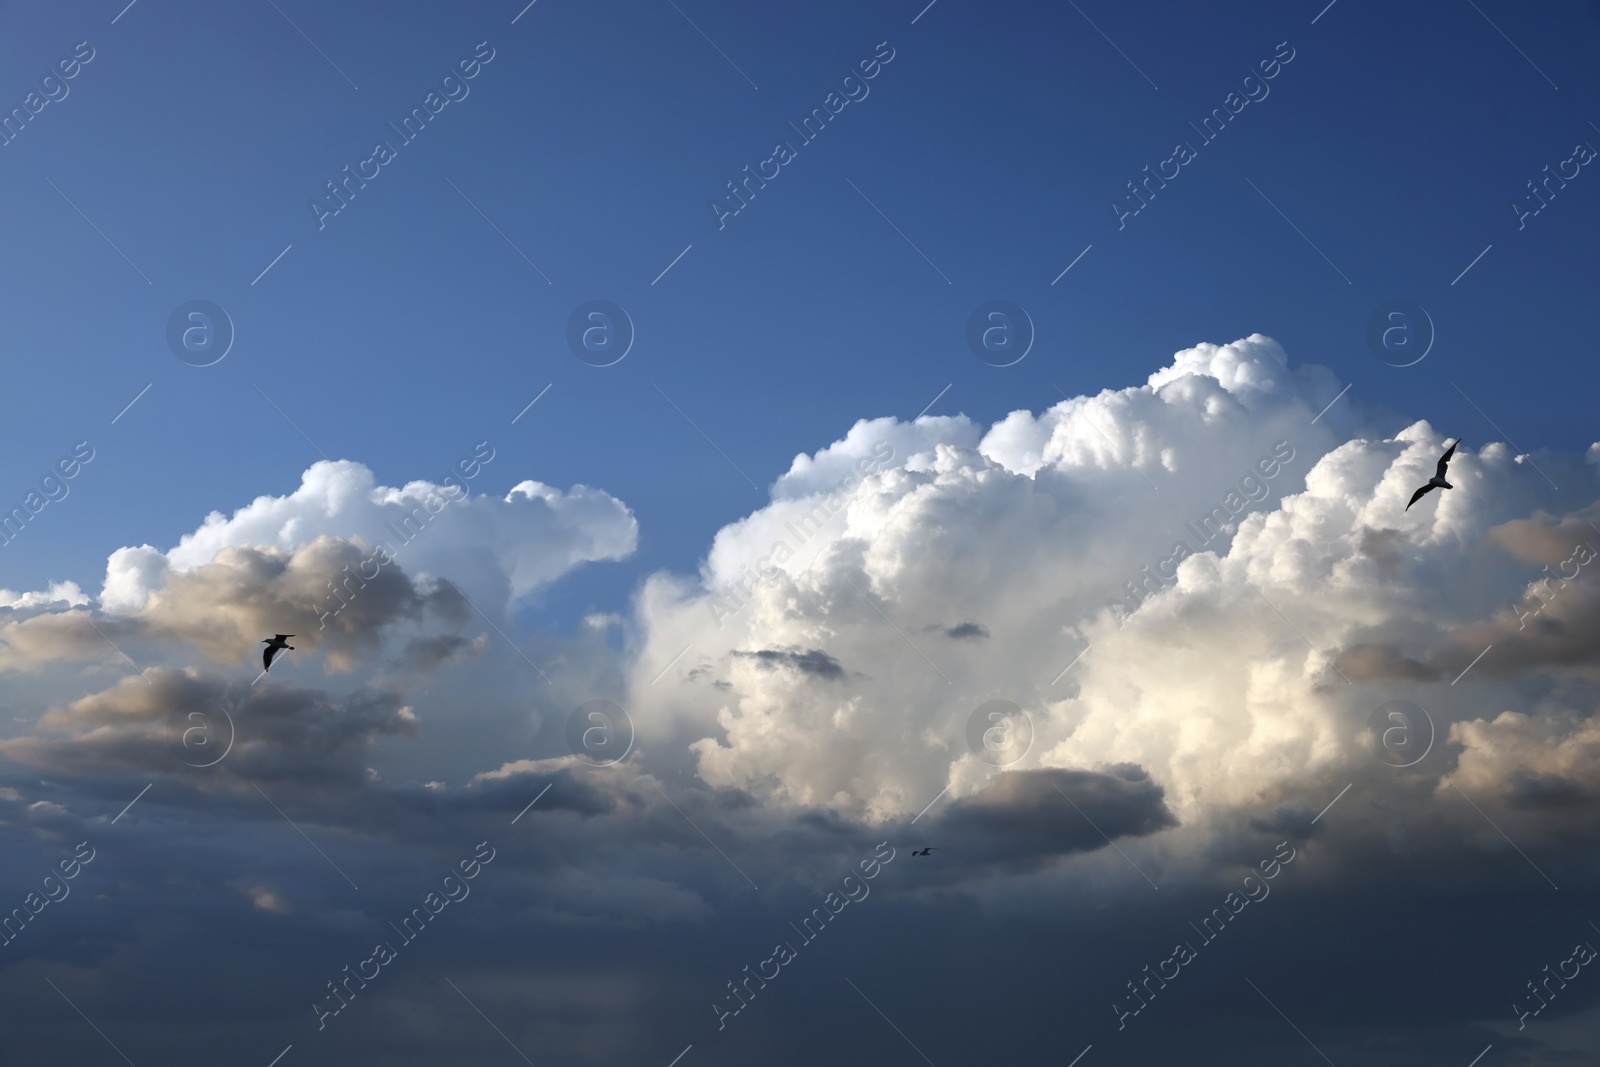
x: 1419, y: 494
x: 266, y: 657
x: 1444, y: 461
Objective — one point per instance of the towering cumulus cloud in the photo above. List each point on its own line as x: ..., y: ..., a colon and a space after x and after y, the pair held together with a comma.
x: 979, y: 564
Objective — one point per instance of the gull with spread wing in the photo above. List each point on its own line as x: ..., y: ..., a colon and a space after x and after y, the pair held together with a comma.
x: 1437, y: 481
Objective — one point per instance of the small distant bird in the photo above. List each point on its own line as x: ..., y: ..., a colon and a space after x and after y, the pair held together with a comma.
x: 924, y: 852
x: 1437, y: 481
x: 275, y: 644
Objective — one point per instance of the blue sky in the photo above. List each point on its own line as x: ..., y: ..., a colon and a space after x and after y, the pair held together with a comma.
x: 1379, y: 163
x: 995, y: 140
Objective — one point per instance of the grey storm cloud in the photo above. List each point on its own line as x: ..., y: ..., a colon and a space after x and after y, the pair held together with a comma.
x: 1373, y: 660
x: 331, y: 594
x: 1550, y: 618
x: 435, y: 650
x: 1026, y: 818
x: 320, y: 592
x: 814, y: 662
x: 967, y: 631
x: 167, y: 722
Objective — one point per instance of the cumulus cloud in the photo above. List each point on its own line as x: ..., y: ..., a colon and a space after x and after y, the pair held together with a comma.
x: 223, y: 606
x: 331, y: 594
x: 1022, y: 819
x: 1191, y: 577
x: 339, y: 563
x: 58, y: 593
x: 533, y: 534
x: 968, y: 631
x: 815, y: 662
x: 434, y: 651
x: 164, y: 720
x: 1531, y: 762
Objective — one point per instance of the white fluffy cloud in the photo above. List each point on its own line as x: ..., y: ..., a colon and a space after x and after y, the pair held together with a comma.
x: 840, y: 637
x: 58, y: 593
x: 1554, y: 756
x: 519, y: 542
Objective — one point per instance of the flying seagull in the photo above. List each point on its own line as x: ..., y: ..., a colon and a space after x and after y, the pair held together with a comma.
x: 275, y: 644
x: 1437, y: 481
x: 924, y: 852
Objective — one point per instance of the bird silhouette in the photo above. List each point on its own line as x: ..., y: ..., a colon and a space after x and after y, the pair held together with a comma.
x: 275, y: 644
x: 924, y: 852
x: 1437, y: 481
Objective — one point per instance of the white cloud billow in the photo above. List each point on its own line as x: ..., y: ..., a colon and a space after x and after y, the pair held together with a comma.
x: 521, y: 541
x: 1028, y: 528
x: 66, y: 593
